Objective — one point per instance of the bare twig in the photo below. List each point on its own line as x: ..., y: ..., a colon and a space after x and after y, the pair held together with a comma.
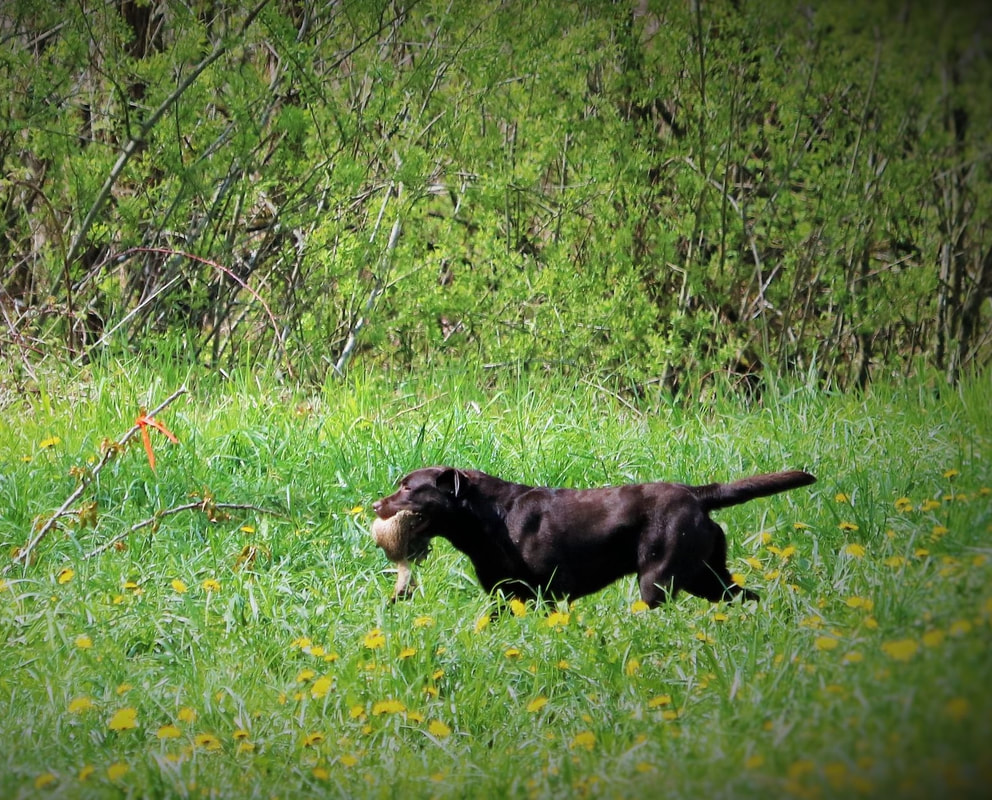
x: 379, y: 282
x: 24, y: 554
x: 204, y: 505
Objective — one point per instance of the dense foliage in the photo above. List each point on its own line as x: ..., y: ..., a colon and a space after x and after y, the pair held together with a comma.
x: 654, y: 191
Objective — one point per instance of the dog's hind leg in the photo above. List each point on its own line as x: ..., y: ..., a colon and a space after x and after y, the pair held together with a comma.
x: 658, y: 584
x: 716, y: 584
x: 711, y: 579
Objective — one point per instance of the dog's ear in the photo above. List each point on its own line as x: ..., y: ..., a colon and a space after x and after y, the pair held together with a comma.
x: 450, y: 482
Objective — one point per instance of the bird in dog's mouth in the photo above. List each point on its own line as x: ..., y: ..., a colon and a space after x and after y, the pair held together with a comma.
x: 400, y: 539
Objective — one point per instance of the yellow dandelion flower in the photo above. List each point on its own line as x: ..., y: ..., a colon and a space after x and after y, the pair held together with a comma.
x: 51, y: 441
x: 207, y: 741
x: 558, y: 619
x: 321, y: 687
x: 45, y: 780
x: 387, y: 707
x: 518, y: 608
x: 719, y: 616
x: 840, y: 497
x: 356, y: 712
x: 826, y: 643
x: 355, y: 510
x: 848, y: 526
x: 437, y: 674
x: 901, y: 649
x: 305, y: 675
x: 930, y: 504
x: 117, y: 770
x: 408, y: 652
x: 752, y: 562
x: 921, y: 552
x: 854, y: 657
x: 660, y: 700
x: 374, y: 639
x: 669, y: 714
x: 738, y: 578
x: 951, y: 473
x: 124, y: 719
x: 644, y: 767
x: 933, y: 638
x: 895, y: 562
x: 855, y: 550
x: 187, y: 715
x: 85, y: 772
x: 585, y: 739
x: 638, y: 606
x: 512, y: 652
x: 423, y: 622
x: 800, y: 526
x: 301, y: 642
x: 482, y: 623
x: 211, y: 585
x: 563, y: 664
x: 773, y: 575
x: 939, y: 531
x: 83, y: 642
x: 348, y: 760
x: 317, y: 651
x: 959, y: 627
x: 836, y: 773
x: 860, y: 602
x: 957, y: 708
x: 65, y: 575
x: 799, y: 768
x: 80, y: 704
x: 168, y: 732
x: 537, y: 704
x: 313, y: 739
x: 320, y: 773
x: 632, y: 667
x: 414, y: 716
x: 178, y: 586
x: 903, y: 504
x: 439, y: 729
x: 754, y: 762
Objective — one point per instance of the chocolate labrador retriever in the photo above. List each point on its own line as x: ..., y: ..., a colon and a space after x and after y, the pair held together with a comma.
x: 567, y: 543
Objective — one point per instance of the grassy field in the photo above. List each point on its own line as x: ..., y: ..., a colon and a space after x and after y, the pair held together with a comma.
x: 251, y: 652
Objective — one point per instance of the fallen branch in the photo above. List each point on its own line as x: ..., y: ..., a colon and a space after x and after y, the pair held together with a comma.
x: 206, y: 505
x: 23, y: 554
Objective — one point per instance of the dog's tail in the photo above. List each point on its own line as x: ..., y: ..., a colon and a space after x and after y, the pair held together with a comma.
x: 721, y: 495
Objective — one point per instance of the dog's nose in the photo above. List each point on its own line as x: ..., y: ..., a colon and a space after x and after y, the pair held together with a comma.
x: 376, y: 505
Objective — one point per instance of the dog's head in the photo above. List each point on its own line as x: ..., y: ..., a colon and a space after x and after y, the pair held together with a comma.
x: 415, y: 512
x: 432, y: 492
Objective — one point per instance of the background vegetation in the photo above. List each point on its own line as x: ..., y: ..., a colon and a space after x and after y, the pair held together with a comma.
x: 653, y: 191
x: 528, y: 238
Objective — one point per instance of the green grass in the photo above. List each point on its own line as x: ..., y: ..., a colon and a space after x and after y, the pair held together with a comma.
x: 863, y: 672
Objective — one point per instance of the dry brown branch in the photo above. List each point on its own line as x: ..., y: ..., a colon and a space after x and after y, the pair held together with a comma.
x: 206, y: 505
